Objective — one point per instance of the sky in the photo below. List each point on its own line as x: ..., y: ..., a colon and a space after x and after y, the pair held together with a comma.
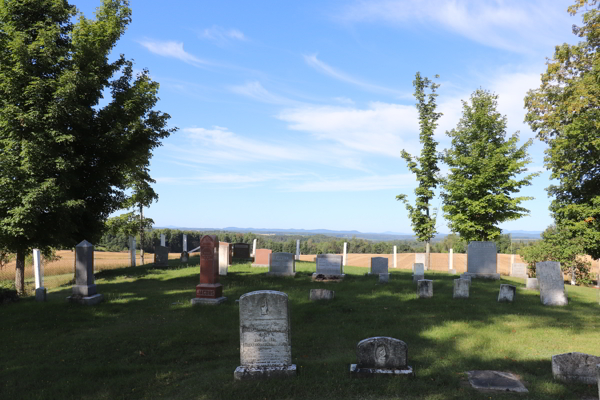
x: 294, y: 114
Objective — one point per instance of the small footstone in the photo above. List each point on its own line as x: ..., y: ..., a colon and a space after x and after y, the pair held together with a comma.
x: 425, y: 289
x: 384, y: 278
x: 507, y: 293
x: 496, y: 380
x: 321, y: 294
x: 531, y: 284
x: 461, y: 289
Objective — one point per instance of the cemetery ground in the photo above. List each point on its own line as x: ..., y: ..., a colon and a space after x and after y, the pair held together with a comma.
x: 146, y: 341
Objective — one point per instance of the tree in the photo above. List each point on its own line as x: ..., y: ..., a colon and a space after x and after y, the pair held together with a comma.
x: 483, y: 171
x: 565, y: 113
x: 64, y: 158
x: 425, y: 167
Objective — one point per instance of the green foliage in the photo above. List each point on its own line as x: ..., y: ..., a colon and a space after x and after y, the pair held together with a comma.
x: 424, y: 167
x: 565, y: 113
x: 127, y: 224
x: 556, y: 245
x: 66, y: 160
x: 484, y: 169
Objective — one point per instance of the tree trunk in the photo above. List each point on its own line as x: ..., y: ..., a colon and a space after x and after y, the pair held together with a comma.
x: 20, y: 272
x: 142, y: 234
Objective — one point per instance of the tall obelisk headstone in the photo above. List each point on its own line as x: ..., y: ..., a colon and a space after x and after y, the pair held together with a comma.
x: 297, y: 249
x: 345, y: 254
x: 185, y: 243
x: 40, y: 290
x: 253, y: 248
x: 84, y: 290
x: 132, y: 250
x: 209, y: 291
x: 395, y: 257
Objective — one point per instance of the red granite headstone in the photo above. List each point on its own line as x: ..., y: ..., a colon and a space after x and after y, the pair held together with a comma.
x: 209, y: 287
x: 261, y: 258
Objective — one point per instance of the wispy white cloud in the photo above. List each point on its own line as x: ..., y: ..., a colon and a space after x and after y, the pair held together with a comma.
x: 222, y: 35
x: 358, y: 184
x: 512, y: 25
x: 335, y: 73
x: 256, y: 91
x: 173, y: 50
x: 229, y: 178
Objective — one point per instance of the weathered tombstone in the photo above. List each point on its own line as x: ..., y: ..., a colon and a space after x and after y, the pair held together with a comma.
x: 466, y: 277
x: 531, y: 284
x: 420, y: 258
x: 379, y: 265
x: 418, y: 271
x: 132, y: 250
x: 282, y: 264
x: 329, y: 268
x: 265, y: 340
x: 84, y: 290
x: 384, y: 278
x: 425, y: 289
x: 162, y: 240
x: 321, y: 294
x: 395, y: 258
x: 345, y: 258
x: 209, y: 291
x: 297, y: 249
x: 519, y: 270
x: 185, y: 257
x: 241, y: 250
x: 38, y: 272
x: 552, y: 285
x: 482, y: 260
x: 261, y: 257
x: 598, y: 376
x: 161, y: 256
x: 496, y: 380
x: 224, y: 257
x: 461, y: 289
x: 507, y: 293
x: 575, y: 367
x: 381, y: 355
x: 185, y: 243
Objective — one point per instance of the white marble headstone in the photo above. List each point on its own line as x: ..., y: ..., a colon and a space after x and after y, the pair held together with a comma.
x: 551, y: 283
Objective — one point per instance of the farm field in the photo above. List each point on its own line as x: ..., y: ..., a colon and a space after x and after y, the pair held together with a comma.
x: 146, y: 341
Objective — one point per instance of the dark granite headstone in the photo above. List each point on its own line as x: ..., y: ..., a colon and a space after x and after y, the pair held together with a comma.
x: 241, y: 250
x: 84, y: 290
x: 161, y: 256
x: 381, y: 355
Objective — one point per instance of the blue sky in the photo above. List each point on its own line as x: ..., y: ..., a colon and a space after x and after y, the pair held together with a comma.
x: 293, y: 114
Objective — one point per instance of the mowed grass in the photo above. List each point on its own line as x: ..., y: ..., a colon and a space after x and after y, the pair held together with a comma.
x: 147, y: 342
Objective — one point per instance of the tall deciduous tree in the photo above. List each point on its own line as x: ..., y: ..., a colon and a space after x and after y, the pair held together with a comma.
x: 422, y: 216
x: 565, y: 113
x: 64, y: 158
x: 484, y: 169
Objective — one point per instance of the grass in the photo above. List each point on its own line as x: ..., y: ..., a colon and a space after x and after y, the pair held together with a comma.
x: 147, y: 342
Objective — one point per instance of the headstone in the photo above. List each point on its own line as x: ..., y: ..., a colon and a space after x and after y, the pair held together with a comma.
x: 265, y: 341
x: 598, y: 376
x: 451, y: 261
x: 575, y: 367
x: 132, y: 250
x: 209, y: 291
x: 384, y: 278
x: 84, y: 290
x: 395, y: 257
x: 261, y: 258
x: 329, y: 267
x: 552, y: 285
x: 507, y: 293
x: 461, y: 289
x: 345, y: 254
x: 224, y: 257
x: 185, y: 257
x: 466, y: 277
x: 321, y: 294
x: 282, y: 264
x: 418, y: 271
x: 162, y: 240
x: 253, y: 248
x: 297, y: 249
x: 420, y: 259
x: 425, y: 289
x: 38, y: 272
x: 241, y: 250
x: 519, y: 270
x: 185, y: 243
x: 379, y: 265
x: 496, y: 380
x: 531, y: 284
x: 161, y: 256
x: 482, y: 260
x: 381, y: 355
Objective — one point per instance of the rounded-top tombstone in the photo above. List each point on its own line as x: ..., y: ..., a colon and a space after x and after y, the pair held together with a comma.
x: 381, y: 355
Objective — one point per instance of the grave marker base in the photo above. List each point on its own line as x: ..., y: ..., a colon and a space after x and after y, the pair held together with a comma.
x: 211, y: 302
x: 86, y: 300
x: 321, y: 294
x: 252, y: 373
x: 358, y: 372
x: 482, y: 276
x: 327, y: 277
x: 292, y: 274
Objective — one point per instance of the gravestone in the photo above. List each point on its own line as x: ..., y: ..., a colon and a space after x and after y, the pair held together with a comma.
x: 185, y: 257
x: 161, y: 256
x: 482, y: 260
x: 575, y: 367
x: 265, y: 341
x: 466, y: 277
x: 297, y: 249
x: 209, y: 291
x: 253, y: 248
x: 261, y: 258
x: 552, y: 285
x: 531, y: 284
x: 282, y: 264
x: 162, y: 240
x: 395, y: 257
x: 425, y: 289
x: 38, y: 272
x: 496, y: 380
x: 379, y: 265
x: 321, y: 294
x: 384, y: 278
x: 84, y: 290
x: 185, y: 243
x: 598, y: 376
x: 461, y: 289
x: 507, y: 293
x: 420, y: 258
x: 132, y: 251
x: 381, y: 355
x: 329, y: 268
x: 345, y: 257
x: 519, y: 270
x: 418, y: 271
x: 241, y: 250
x: 224, y: 257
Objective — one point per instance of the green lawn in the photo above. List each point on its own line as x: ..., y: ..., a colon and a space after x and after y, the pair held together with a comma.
x: 147, y: 341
